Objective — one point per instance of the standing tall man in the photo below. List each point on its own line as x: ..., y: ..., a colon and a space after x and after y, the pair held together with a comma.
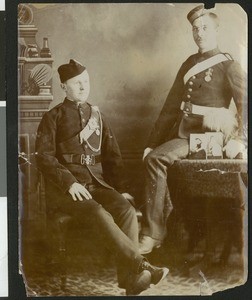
x: 81, y: 162
x: 197, y: 102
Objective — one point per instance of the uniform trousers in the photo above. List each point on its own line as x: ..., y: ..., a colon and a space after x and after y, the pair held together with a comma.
x: 158, y: 205
x: 115, y: 221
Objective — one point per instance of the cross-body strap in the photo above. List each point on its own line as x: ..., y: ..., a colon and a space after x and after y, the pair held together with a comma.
x: 94, y: 124
x: 206, y: 64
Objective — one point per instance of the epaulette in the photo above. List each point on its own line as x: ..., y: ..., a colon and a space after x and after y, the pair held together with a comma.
x: 228, y: 56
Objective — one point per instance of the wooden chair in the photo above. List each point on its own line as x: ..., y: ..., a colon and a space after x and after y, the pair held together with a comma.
x: 59, y: 226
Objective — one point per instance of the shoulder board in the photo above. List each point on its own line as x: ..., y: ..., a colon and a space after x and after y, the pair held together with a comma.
x: 228, y: 56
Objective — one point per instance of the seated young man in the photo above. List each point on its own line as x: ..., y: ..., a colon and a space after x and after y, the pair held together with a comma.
x: 198, y: 101
x: 81, y: 162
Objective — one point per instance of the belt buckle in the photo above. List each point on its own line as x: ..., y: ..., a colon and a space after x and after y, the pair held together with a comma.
x: 82, y: 160
x: 87, y: 159
x: 187, y: 108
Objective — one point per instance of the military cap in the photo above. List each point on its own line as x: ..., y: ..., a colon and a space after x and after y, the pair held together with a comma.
x: 70, y: 70
x: 197, y: 12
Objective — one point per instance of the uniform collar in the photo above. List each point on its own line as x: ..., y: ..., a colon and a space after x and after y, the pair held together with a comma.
x: 74, y: 104
x: 207, y: 54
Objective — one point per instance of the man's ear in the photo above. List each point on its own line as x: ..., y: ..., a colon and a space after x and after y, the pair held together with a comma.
x: 63, y: 86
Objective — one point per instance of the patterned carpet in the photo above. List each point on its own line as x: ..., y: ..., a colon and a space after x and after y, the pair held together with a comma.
x: 91, y: 271
x: 103, y: 283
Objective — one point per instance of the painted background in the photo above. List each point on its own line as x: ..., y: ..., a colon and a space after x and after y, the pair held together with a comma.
x: 132, y: 53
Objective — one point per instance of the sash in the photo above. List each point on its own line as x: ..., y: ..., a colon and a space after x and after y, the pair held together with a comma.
x: 206, y: 64
x: 94, y: 125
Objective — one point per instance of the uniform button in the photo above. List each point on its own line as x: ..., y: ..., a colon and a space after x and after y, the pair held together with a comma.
x: 86, y: 146
x: 193, y: 77
x: 190, y: 90
x: 188, y: 96
x: 190, y: 83
x: 83, y: 120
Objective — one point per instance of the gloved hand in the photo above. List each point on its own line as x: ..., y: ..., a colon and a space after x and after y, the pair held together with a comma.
x: 146, y: 152
x: 234, y: 147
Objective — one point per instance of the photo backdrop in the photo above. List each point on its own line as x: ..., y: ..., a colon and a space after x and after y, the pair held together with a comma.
x: 132, y: 53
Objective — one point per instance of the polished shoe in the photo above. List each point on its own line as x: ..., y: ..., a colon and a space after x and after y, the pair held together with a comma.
x: 139, y: 283
x: 157, y: 274
x: 147, y: 244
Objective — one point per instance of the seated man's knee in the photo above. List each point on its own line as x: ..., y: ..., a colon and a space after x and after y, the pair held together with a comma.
x: 92, y: 207
x: 130, y: 210
x: 126, y: 206
x: 158, y: 159
x: 151, y: 158
x: 162, y: 158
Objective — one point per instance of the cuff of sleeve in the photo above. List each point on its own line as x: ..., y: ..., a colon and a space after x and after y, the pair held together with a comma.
x: 68, y: 183
x: 240, y: 139
x: 121, y: 190
x: 151, y: 145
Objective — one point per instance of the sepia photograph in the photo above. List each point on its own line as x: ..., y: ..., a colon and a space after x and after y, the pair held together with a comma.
x: 198, y: 146
x: 132, y: 148
x: 214, y: 145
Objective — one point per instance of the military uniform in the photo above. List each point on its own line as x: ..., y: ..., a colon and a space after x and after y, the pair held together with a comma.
x: 75, y: 147
x: 96, y: 164
x: 213, y: 87
x: 58, y: 136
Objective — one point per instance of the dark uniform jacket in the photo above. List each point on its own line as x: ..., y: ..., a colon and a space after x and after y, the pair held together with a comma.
x: 227, y: 82
x: 58, y: 134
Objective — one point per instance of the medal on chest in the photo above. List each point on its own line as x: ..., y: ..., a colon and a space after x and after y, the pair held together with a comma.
x: 93, y: 124
x: 209, y: 74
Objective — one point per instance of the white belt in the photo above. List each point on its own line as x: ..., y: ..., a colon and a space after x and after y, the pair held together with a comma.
x: 189, y: 108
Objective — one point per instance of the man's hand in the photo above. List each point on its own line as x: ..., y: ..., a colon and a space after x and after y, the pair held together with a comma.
x: 234, y: 147
x: 146, y: 152
x: 78, y: 191
x: 130, y: 198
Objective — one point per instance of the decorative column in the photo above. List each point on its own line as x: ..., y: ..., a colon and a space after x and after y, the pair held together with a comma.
x: 34, y: 98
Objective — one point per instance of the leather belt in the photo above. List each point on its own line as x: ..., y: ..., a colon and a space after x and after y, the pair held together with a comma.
x: 189, y: 108
x: 82, y: 159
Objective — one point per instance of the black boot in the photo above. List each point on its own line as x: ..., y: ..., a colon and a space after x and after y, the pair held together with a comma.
x: 138, y: 283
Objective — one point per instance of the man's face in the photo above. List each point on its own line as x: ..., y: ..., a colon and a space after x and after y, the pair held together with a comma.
x: 205, y: 33
x: 78, y: 87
